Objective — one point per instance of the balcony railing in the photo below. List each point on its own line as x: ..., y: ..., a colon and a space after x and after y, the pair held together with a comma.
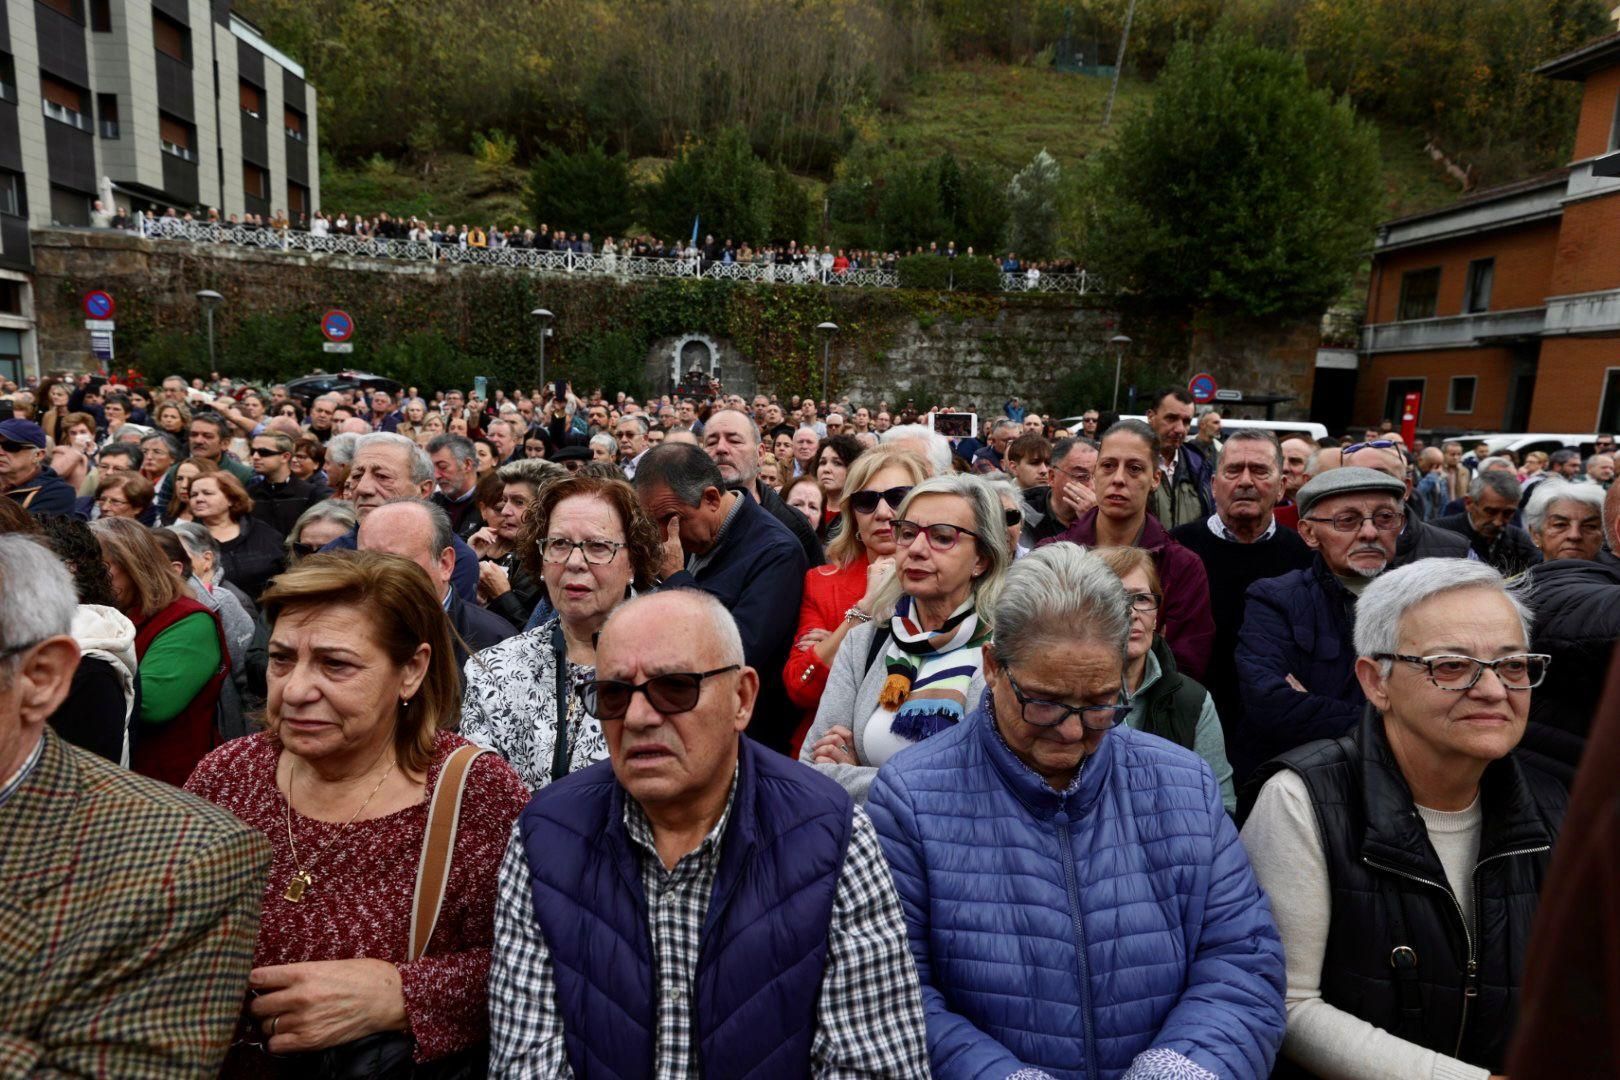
x: 1451, y: 331
x: 568, y: 262
x: 181, y: 152
x: 65, y: 115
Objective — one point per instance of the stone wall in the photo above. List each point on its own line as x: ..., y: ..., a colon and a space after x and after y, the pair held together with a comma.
x: 970, y: 350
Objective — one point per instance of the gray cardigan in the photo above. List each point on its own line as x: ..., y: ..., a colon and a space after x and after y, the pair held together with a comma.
x: 850, y: 699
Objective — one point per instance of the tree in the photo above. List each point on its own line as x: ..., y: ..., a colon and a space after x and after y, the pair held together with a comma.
x: 720, y: 181
x: 1242, y: 190
x: 1033, y: 198
x: 590, y: 189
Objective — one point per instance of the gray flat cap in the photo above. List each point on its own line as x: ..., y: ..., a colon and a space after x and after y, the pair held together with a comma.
x: 1349, y: 479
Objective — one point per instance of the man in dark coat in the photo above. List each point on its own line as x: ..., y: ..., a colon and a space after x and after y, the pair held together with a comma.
x: 732, y: 442
x: 280, y: 498
x: 1487, y: 522
x: 1295, y: 659
x: 25, y: 478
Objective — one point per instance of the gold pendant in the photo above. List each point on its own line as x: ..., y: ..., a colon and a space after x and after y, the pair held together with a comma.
x: 300, y: 882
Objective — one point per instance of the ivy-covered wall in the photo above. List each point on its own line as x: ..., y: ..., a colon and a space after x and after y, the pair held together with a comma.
x: 439, y: 326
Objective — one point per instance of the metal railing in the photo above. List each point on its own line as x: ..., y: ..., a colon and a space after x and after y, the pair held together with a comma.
x: 569, y: 262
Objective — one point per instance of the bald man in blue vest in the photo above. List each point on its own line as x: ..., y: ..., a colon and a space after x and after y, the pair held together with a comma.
x: 697, y: 904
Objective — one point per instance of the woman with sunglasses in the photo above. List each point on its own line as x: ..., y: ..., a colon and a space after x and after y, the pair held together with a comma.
x: 591, y: 543
x: 912, y: 668
x: 1077, y: 899
x: 1164, y: 702
x: 838, y: 595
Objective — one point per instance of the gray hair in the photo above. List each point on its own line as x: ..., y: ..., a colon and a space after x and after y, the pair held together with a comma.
x: 685, y: 469
x: 441, y: 536
x: 536, y: 471
x: 603, y: 439
x: 338, y: 511
x: 196, y: 538
x: 988, y: 521
x: 37, y: 598
x: 421, y: 465
x: 1391, y: 596
x: 1250, y: 435
x: 1547, y: 492
x: 721, y: 622
x: 461, y: 448
x: 1060, y: 592
x: 128, y: 451
x: 1005, y: 422
x: 939, y: 447
x: 340, y: 449
x: 170, y: 443
x: 1500, y: 481
x: 639, y: 419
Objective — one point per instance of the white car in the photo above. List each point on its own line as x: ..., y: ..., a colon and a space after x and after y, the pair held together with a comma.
x: 1522, y: 443
x: 1282, y: 429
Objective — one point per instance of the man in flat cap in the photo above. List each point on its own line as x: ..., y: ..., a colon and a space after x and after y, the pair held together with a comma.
x: 1295, y: 659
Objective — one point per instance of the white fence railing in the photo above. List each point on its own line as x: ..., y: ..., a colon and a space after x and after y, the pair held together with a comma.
x: 569, y: 262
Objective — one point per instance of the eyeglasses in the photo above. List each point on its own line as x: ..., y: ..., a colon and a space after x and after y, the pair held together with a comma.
x: 1376, y: 444
x: 1350, y: 521
x: 265, y: 451
x: 1050, y: 714
x: 1082, y: 476
x: 16, y: 448
x: 677, y: 692
x: 1143, y: 601
x: 559, y: 549
x: 866, y: 502
x: 1013, y: 516
x: 941, y: 537
x: 1521, y: 671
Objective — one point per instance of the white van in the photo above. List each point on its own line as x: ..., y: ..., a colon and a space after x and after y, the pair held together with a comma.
x: 1522, y: 443
x: 1282, y: 429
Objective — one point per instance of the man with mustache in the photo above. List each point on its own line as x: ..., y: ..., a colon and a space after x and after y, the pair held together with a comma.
x: 1240, y: 543
x: 696, y: 898
x: 1294, y: 659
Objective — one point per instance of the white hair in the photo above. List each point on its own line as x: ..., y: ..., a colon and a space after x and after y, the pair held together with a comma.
x: 1060, y: 592
x: 722, y: 625
x: 1549, y: 491
x: 989, y: 522
x: 340, y: 448
x: 1390, y: 597
x: 37, y: 599
x: 420, y: 464
x: 603, y: 439
x: 937, y: 448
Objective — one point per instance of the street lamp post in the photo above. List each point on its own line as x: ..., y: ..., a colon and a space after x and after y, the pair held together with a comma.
x: 827, y: 330
x: 209, y: 299
x: 1120, y: 343
x: 545, y: 318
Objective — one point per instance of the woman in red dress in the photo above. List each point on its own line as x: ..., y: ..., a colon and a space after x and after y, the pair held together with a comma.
x: 838, y: 595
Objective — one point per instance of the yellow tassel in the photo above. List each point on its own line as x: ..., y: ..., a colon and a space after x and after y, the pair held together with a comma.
x: 896, y: 688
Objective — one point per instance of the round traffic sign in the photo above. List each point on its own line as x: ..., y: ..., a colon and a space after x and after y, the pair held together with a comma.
x: 337, y: 325
x: 98, y: 304
x: 1202, y: 387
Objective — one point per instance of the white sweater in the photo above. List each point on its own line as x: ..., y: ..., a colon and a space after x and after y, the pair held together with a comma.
x: 1286, y: 849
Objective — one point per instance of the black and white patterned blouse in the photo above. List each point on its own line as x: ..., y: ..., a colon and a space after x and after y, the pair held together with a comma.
x: 510, y: 706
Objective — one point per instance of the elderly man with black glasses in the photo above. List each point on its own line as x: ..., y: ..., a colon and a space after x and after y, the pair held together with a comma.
x: 1295, y: 666
x: 1078, y: 901
x: 1404, y: 858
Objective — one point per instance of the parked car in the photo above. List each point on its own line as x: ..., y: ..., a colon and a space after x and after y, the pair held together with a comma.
x: 1522, y: 443
x: 310, y: 387
x: 1282, y: 429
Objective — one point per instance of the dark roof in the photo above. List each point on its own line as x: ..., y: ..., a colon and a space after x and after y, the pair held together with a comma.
x: 1579, y: 63
x: 1491, y: 194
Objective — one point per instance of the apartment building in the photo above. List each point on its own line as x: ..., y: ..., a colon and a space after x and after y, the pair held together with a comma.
x: 1503, y: 309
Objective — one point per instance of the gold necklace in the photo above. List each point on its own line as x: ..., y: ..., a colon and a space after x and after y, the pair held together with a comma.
x: 302, y: 879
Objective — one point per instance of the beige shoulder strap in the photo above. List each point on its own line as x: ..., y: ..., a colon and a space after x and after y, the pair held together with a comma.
x: 439, y: 846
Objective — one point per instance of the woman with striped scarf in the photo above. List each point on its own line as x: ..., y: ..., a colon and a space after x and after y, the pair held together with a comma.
x: 913, y: 669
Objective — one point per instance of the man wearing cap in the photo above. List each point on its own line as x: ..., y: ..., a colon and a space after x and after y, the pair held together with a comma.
x: 27, y: 479
x: 1295, y: 659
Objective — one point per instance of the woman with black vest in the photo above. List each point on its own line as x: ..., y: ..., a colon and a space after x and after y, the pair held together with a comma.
x: 1404, y: 859
x: 1164, y: 702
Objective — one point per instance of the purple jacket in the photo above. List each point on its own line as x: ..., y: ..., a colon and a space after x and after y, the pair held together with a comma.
x: 1184, y: 619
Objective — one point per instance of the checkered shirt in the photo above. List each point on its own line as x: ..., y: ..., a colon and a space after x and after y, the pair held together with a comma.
x: 869, y: 1016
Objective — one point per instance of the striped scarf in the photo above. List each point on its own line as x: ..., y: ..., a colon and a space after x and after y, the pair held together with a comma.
x: 929, y: 703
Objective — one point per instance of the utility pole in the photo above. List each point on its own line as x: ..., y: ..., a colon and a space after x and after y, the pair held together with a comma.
x: 1119, y: 63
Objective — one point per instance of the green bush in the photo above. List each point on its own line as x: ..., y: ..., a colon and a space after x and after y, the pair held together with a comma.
x: 720, y: 181
x: 938, y: 272
x: 590, y: 189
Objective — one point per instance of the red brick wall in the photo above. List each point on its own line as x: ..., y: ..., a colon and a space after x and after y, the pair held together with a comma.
x: 1569, y: 382
x: 1588, y: 247
x: 1524, y: 270
x: 1597, y: 114
x: 1492, y: 367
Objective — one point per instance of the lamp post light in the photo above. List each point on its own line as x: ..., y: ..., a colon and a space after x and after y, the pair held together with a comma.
x: 827, y: 330
x: 1120, y: 343
x: 209, y: 299
x: 545, y: 318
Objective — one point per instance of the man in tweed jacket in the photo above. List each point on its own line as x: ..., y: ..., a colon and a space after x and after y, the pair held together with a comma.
x: 128, y: 909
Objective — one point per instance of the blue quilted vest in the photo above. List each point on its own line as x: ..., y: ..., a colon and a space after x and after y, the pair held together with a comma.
x: 764, y: 942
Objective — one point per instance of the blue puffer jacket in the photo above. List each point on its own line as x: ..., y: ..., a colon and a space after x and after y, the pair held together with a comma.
x: 1081, y: 933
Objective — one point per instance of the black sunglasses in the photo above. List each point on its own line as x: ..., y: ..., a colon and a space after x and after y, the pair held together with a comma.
x: 677, y: 692
x: 265, y: 451
x: 866, y: 502
x: 304, y: 551
x: 1013, y: 515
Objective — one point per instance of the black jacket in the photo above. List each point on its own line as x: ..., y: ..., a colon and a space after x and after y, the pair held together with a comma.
x: 281, y: 505
x: 1174, y: 701
x: 475, y: 629
x: 254, y: 557
x: 1512, y: 552
x: 772, y: 504
x: 1577, y: 606
x: 464, y: 516
x: 1460, y: 995
x: 1421, y: 540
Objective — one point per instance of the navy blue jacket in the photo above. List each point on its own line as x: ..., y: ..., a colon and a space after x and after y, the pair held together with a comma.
x: 45, y: 495
x: 463, y: 579
x: 1299, y: 624
x: 758, y: 574
x: 764, y: 943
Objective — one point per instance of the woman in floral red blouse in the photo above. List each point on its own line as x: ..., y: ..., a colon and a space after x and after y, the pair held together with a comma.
x: 362, y: 683
x: 837, y: 596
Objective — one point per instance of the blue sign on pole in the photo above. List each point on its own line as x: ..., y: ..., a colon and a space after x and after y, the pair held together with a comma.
x: 1202, y: 387
x: 98, y: 304
x: 337, y: 325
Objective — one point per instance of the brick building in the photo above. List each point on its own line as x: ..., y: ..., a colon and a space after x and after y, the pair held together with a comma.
x: 1503, y: 308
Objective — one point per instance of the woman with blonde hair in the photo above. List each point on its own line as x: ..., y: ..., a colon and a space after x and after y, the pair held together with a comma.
x: 363, y: 693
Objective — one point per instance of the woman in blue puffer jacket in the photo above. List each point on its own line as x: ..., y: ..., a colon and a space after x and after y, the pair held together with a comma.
x: 1078, y: 902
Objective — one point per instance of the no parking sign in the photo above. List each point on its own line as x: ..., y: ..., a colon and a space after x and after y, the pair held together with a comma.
x: 1202, y: 387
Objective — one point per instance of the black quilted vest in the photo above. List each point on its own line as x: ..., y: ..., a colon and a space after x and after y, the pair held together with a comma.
x: 1398, y: 953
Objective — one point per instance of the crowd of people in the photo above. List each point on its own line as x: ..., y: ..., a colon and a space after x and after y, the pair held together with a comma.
x: 554, y: 735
